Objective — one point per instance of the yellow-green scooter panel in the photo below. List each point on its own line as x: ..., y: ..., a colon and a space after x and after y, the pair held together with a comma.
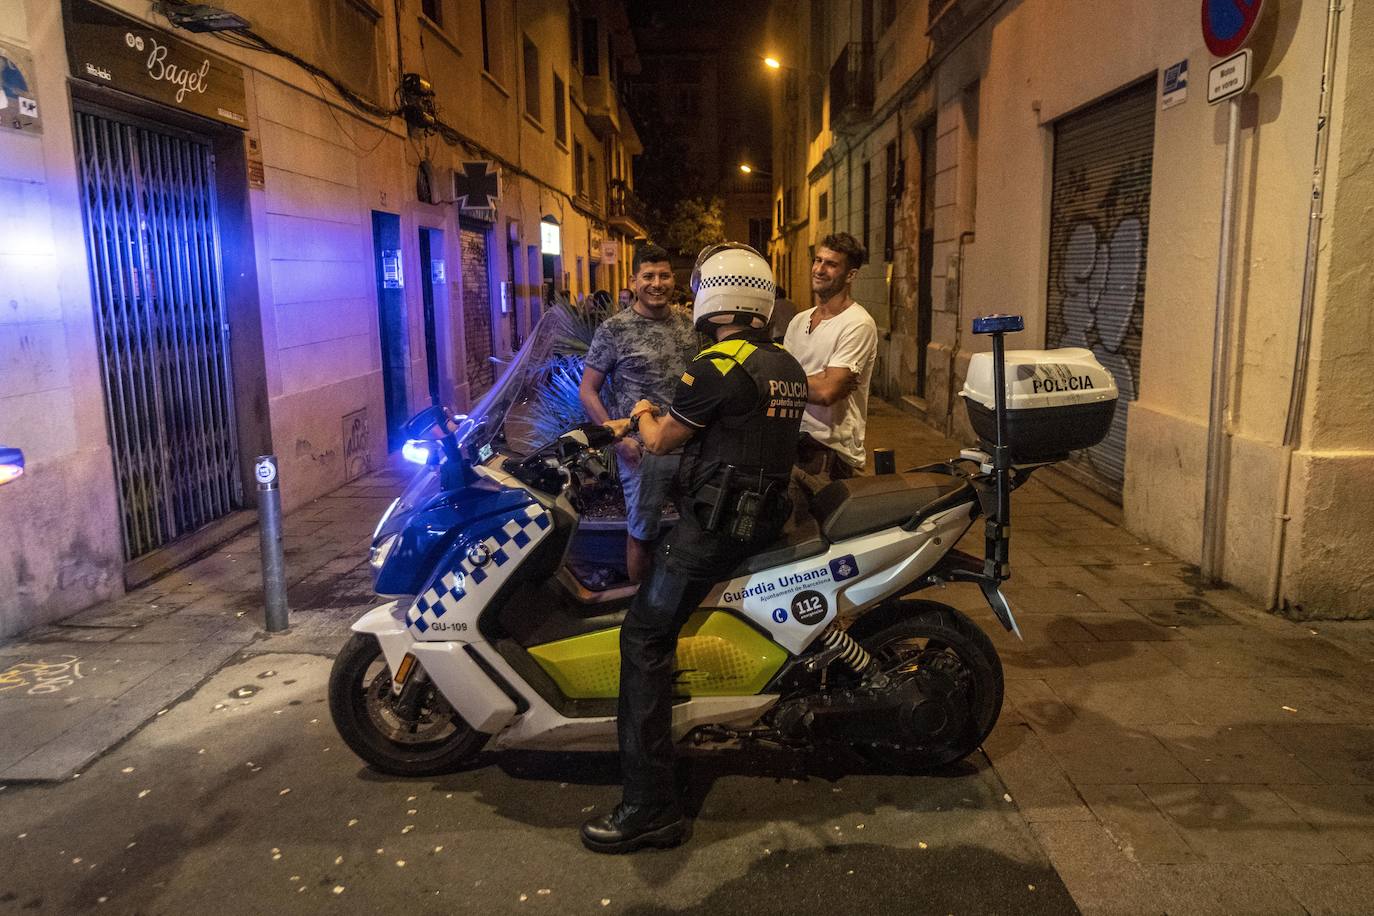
x: 718, y: 654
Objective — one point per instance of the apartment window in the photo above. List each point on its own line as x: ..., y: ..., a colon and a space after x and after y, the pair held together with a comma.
x: 868, y: 201
x: 433, y: 10
x: 346, y: 38
x: 759, y: 232
x: 531, y: 79
x: 823, y: 205
x: 579, y: 169
x: 591, y: 46
x: 486, y: 39
x: 574, y: 37
x: 819, y: 45
x: 560, y: 111
x: 968, y: 154
x: 890, y: 193
x: 887, y: 14
x: 592, y: 184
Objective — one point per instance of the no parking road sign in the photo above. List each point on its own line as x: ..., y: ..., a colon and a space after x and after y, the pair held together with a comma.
x: 1228, y: 24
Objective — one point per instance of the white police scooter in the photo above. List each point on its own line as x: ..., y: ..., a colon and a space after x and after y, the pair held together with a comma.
x: 490, y: 640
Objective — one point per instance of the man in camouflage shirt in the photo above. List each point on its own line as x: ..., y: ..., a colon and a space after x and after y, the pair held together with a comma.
x: 643, y: 350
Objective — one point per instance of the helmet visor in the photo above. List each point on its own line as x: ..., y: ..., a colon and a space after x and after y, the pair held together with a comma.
x: 710, y: 251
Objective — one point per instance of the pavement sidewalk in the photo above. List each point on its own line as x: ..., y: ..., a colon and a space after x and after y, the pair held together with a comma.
x: 72, y: 690
x: 1173, y: 748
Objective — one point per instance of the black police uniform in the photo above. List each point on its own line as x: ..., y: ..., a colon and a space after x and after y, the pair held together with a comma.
x: 745, y: 395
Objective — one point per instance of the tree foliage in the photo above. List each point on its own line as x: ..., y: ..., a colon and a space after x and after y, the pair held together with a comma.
x: 695, y: 223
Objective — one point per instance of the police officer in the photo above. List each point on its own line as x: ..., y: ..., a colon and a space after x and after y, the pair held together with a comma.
x: 737, y: 410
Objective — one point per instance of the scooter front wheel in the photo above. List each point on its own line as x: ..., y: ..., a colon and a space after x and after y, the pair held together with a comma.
x: 428, y: 740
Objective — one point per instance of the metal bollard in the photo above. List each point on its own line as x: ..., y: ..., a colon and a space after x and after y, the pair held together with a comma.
x: 884, y: 461
x: 269, y: 535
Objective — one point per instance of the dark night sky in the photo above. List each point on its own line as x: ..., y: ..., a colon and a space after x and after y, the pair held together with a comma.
x: 739, y: 23
x: 735, y: 32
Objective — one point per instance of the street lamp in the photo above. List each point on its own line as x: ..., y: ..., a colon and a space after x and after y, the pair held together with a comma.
x: 773, y: 63
x: 748, y: 169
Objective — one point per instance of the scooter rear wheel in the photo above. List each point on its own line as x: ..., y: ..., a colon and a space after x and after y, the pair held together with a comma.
x: 433, y: 741
x: 936, y: 635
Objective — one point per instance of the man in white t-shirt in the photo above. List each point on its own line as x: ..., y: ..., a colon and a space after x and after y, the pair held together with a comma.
x: 836, y: 343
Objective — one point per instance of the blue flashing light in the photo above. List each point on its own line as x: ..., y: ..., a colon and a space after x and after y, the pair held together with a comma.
x: 418, y: 451
x: 995, y: 324
x: 11, y: 464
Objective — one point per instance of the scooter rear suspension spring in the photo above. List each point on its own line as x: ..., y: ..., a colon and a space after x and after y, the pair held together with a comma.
x: 851, y: 653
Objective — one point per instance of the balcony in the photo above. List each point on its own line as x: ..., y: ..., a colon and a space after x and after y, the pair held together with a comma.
x: 625, y: 212
x: 951, y: 20
x: 603, y: 114
x: 851, y: 86
x: 749, y: 184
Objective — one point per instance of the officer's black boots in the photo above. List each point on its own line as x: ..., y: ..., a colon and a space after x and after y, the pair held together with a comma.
x: 631, y: 827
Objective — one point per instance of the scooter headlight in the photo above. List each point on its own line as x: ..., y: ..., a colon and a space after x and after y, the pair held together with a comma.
x: 377, y: 557
x: 420, y: 451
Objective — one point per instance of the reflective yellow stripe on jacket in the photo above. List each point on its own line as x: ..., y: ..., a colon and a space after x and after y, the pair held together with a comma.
x: 728, y: 352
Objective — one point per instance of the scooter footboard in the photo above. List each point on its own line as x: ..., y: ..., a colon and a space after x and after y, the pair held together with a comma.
x: 463, y: 683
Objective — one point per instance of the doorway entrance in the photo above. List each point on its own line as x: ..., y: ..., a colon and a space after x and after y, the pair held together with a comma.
x: 152, y: 230
x: 477, y: 324
x: 1099, y: 236
x: 433, y: 286
x: 391, y: 323
x: 925, y: 254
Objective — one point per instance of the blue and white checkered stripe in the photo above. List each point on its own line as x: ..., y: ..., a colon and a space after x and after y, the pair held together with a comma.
x: 474, y: 583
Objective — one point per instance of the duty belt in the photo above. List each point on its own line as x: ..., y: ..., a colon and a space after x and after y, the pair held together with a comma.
x: 739, y: 498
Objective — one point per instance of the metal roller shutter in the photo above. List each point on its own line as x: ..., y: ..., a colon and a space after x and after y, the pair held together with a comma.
x: 476, y: 309
x: 1099, y: 234
x: 148, y: 197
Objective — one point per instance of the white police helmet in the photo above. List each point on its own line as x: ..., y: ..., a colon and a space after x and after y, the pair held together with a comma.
x: 733, y: 285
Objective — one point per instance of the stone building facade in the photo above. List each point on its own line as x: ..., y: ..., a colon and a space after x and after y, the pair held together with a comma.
x: 1063, y: 161
x: 216, y: 245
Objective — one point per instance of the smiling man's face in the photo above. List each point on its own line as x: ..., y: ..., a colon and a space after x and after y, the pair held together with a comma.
x: 830, y: 273
x: 653, y: 284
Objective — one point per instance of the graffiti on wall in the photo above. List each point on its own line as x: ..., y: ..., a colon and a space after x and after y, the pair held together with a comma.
x: 357, y: 445
x: 1097, y: 284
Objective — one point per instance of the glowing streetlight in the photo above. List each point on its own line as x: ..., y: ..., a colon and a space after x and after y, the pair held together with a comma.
x: 772, y: 63
x: 745, y: 168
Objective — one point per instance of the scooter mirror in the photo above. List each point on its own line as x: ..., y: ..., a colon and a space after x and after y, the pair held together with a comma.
x: 430, y: 423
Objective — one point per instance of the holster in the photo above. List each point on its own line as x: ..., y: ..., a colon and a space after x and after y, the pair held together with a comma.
x: 739, y: 505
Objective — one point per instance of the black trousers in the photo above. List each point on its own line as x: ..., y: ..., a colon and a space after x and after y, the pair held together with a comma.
x: 685, y: 566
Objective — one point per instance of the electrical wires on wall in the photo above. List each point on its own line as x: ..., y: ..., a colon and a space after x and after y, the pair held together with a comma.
x: 414, y: 99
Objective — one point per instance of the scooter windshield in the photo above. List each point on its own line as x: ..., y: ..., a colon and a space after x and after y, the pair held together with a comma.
x: 535, y: 399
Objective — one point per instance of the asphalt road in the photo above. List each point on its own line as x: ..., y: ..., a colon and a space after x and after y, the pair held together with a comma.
x: 241, y: 798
